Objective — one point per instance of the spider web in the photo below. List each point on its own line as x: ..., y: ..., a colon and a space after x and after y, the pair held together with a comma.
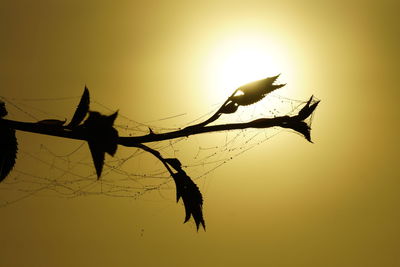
x: 52, y: 167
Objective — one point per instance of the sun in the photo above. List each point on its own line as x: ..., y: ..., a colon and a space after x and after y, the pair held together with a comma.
x: 239, y: 60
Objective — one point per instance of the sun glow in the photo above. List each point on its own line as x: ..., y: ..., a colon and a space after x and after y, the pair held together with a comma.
x: 242, y: 60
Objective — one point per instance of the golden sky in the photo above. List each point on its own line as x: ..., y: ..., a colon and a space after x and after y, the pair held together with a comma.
x: 284, y: 203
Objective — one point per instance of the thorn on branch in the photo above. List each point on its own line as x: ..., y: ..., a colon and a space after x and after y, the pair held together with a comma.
x: 151, y: 132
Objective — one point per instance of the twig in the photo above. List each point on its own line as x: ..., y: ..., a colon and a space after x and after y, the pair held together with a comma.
x: 132, y: 141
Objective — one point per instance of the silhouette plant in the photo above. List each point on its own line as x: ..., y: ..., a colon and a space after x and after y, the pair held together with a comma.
x: 97, y: 129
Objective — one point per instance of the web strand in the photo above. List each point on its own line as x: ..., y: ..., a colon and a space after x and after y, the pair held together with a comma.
x: 68, y: 172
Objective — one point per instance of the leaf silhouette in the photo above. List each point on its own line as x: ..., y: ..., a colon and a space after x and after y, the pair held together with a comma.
x: 189, y: 192
x: 303, y: 128
x: 97, y: 156
x: 191, y: 196
x: 185, y: 188
x: 307, y: 110
x: 81, y: 110
x: 102, y: 137
x: 255, y: 91
x: 8, y: 146
x: 297, y: 122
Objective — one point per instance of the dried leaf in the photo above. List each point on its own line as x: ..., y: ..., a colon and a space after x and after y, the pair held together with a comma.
x: 81, y: 110
x: 255, y: 91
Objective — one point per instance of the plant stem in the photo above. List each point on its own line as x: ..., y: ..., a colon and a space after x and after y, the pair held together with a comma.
x: 80, y: 132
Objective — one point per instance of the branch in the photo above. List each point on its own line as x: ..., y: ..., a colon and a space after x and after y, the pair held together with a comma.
x: 294, y: 122
x: 41, y: 128
x: 103, y: 138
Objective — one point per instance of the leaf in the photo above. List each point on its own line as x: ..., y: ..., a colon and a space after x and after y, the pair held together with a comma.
x: 53, y: 122
x: 97, y: 156
x: 8, y: 151
x: 307, y: 109
x: 102, y: 137
x: 297, y: 122
x: 255, y: 91
x: 188, y: 191
x: 303, y: 128
x: 81, y: 110
x: 191, y: 196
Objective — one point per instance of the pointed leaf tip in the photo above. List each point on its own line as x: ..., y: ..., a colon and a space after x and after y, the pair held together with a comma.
x: 98, y: 157
x: 112, y: 117
x: 191, y: 196
x: 81, y: 110
x: 308, y: 109
x: 101, y: 136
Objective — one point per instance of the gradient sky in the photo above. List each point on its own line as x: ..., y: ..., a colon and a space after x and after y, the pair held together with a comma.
x: 286, y: 202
